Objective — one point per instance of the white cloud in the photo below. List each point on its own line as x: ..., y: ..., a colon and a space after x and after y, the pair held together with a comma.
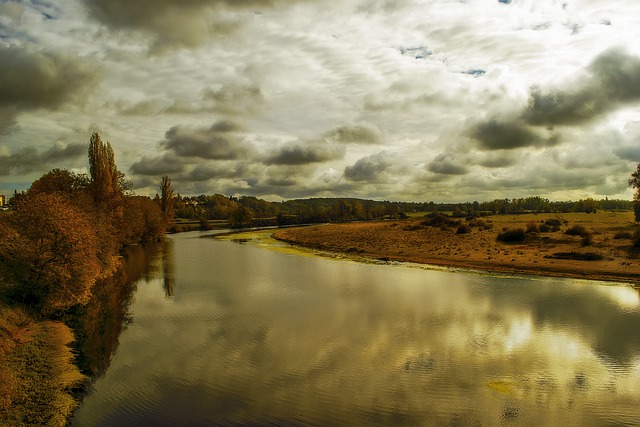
x: 409, y: 100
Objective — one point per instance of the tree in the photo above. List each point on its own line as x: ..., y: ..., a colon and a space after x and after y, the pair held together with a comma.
x: 154, y: 225
x: 167, y: 200
x: 48, y: 254
x: 590, y: 205
x: 107, y: 210
x: 634, y: 182
x: 60, y: 181
x: 103, y: 170
x: 241, y: 217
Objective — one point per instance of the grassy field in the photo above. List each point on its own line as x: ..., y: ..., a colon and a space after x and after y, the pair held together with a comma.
x: 591, y: 246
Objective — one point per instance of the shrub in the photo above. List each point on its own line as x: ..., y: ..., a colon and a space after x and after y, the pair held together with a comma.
x: 553, y: 222
x: 413, y: 227
x: 532, y: 227
x: 544, y: 228
x: 480, y: 223
x: 636, y: 239
x: 439, y: 220
x: 623, y: 235
x: 512, y: 236
x: 577, y: 256
x: 463, y: 229
x: 576, y: 230
x: 587, y: 239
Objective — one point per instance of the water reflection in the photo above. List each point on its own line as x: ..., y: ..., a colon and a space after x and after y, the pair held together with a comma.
x: 257, y: 337
x: 168, y: 277
x: 98, y: 325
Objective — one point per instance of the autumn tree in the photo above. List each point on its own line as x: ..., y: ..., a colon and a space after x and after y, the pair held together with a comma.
x: 144, y: 220
x: 241, y: 217
x: 67, y: 230
x: 634, y: 182
x: 167, y: 200
x: 60, y: 181
x: 48, y: 254
x: 103, y: 170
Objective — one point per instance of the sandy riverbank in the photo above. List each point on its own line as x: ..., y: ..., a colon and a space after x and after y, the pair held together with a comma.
x: 478, y: 248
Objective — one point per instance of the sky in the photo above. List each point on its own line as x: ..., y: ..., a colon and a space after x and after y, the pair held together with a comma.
x: 406, y: 100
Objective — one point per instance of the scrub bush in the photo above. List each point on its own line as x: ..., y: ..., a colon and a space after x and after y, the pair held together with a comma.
x: 512, y: 236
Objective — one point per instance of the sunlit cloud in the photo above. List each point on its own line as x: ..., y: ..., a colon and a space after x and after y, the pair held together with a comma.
x: 399, y: 100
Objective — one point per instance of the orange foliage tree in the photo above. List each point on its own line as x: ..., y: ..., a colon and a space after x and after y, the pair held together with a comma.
x: 67, y: 231
x: 49, y: 254
x: 103, y: 170
x: 167, y: 200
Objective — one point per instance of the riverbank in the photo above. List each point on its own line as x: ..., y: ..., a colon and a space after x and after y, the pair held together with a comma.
x: 600, y: 250
x: 37, y: 373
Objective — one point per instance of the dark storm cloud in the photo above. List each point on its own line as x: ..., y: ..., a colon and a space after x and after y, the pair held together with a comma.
x: 367, y: 168
x: 303, y: 153
x: 217, y: 142
x: 565, y: 108
x: 280, y: 182
x: 30, y: 159
x: 156, y: 166
x: 611, y: 81
x: 630, y: 152
x: 62, y: 153
x: 7, y: 119
x: 175, y: 22
x: 447, y: 164
x: 141, y: 14
x: 495, y: 161
x: 32, y: 79
x: 219, y: 170
x: 355, y: 133
x: 203, y: 173
x: 495, y: 135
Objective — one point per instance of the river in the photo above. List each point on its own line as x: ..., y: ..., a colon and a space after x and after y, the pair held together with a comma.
x: 225, y: 333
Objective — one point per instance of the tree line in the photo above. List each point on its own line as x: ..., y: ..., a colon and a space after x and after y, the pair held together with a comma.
x: 249, y: 210
x: 67, y: 232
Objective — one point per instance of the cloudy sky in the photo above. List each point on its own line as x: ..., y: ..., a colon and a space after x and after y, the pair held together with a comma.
x: 417, y: 100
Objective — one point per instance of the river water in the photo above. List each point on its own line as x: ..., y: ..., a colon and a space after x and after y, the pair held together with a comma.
x: 226, y: 333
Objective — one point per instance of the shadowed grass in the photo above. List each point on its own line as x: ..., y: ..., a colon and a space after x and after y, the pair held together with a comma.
x: 36, y: 371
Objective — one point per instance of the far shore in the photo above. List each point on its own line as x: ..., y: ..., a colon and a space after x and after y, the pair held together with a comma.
x: 542, y: 253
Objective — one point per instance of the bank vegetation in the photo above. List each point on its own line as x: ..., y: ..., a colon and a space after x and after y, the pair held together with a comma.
x: 60, y: 238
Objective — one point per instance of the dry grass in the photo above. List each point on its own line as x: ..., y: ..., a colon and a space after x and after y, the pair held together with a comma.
x: 478, y: 248
x: 36, y: 371
x: 65, y: 375
x: 15, y: 329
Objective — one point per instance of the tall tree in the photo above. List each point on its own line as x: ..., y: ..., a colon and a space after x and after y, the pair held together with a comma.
x: 634, y: 182
x: 103, y: 170
x: 167, y: 199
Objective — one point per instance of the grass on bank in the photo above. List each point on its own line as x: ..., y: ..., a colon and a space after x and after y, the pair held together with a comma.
x: 37, y: 374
